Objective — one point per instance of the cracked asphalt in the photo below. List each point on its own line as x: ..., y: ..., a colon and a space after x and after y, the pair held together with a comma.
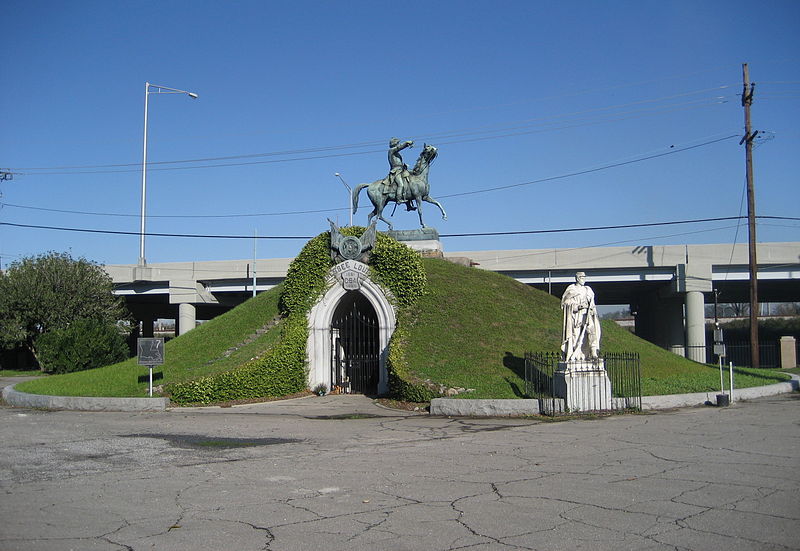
x: 342, y: 473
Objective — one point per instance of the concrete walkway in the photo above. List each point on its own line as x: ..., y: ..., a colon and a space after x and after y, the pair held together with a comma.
x: 8, y: 381
x: 343, y: 405
x: 695, y: 479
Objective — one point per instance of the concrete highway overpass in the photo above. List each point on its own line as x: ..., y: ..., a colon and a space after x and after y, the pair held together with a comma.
x: 666, y: 286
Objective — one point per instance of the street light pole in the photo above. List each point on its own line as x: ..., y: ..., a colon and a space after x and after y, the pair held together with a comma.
x: 147, y: 92
x: 142, y: 261
x: 349, y: 197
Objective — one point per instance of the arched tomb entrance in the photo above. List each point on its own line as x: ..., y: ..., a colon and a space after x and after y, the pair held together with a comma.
x: 349, y: 332
x: 355, y: 348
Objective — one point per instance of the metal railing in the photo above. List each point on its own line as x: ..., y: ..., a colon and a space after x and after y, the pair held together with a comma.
x: 622, y: 373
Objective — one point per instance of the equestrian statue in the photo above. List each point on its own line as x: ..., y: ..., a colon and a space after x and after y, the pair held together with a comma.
x: 401, y: 186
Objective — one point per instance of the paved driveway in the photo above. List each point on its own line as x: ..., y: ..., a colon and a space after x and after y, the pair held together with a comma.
x: 341, y: 473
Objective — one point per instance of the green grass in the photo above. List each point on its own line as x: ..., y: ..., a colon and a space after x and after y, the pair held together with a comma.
x: 473, y: 327
x: 705, y: 378
x: 470, y: 330
x: 195, y: 354
x: 20, y: 373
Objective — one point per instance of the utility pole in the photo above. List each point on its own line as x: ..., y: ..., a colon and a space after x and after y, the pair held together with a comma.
x: 255, y: 245
x: 749, y: 136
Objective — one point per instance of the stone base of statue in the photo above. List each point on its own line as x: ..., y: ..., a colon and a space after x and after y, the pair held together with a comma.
x: 424, y: 240
x: 584, y: 385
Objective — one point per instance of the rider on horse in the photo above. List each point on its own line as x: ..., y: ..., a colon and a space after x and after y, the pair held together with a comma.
x: 398, y: 171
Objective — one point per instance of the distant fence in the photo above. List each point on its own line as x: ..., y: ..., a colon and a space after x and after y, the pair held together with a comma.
x: 739, y: 354
x: 624, y: 376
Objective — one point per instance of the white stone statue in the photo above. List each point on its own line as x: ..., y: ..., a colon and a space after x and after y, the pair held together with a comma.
x: 580, y: 323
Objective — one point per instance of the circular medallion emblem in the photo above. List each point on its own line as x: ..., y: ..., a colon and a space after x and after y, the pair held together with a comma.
x: 350, y: 248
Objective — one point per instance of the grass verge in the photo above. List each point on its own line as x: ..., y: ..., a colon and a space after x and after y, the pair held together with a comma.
x: 198, y: 353
x: 20, y: 373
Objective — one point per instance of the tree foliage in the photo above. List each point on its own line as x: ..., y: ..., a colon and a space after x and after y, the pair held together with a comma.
x: 50, y: 291
x: 83, y: 344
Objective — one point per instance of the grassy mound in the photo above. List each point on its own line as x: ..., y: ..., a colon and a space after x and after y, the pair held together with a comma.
x: 473, y: 327
x: 204, y: 351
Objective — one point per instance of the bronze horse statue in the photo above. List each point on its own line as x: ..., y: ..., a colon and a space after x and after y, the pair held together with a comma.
x: 417, y: 189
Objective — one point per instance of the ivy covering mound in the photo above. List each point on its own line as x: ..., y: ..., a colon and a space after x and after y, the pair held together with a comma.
x: 279, y: 372
x: 282, y: 370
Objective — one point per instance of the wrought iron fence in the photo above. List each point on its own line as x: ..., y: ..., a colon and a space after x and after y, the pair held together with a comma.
x: 617, y: 387
x: 539, y: 382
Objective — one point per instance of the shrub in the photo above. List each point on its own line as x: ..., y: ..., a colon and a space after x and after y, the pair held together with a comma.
x: 305, y: 280
x: 83, y: 344
x: 51, y: 291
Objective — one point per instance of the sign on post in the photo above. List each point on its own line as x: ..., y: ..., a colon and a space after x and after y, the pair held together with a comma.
x: 150, y: 352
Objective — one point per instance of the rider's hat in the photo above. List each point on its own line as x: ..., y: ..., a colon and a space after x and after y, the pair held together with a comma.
x: 393, y: 142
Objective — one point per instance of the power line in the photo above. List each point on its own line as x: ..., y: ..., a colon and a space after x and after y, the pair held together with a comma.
x: 306, y: 237
x: 593, y: 228
x: 114, y: 232
x: 503, y: 126
x: 119, y: 214
x: 590, y: 170
x: 68, y: 169
x: 671, y: 151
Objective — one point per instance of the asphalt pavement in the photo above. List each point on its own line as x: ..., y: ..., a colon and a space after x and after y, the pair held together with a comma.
x: 341, y: 472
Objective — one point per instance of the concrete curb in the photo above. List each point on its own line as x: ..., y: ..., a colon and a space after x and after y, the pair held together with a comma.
x: 80, y: 403
x: 483, y: 408
x: 450, y: 407
x: 702, y: 398
x: 447, y: 407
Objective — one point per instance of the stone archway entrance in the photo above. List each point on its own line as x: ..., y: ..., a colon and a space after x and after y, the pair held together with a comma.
x: 355, y: 350
x: 325, y: 319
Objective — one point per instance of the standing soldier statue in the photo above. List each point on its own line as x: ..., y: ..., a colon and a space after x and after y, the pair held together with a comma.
x: 580, y: 321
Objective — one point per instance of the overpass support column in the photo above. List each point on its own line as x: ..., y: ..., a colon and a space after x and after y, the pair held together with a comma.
x: 695, y: 327
x: 186, y: 293
x: 147, y: 325
x: 693, y: 279
x: 187, y: 317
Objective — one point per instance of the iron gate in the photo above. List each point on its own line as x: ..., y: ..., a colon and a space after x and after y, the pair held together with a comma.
x: 355, y: 354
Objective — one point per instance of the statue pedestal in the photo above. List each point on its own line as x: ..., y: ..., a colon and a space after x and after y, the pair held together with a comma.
x: 424, y: 240
x: 584, y: 385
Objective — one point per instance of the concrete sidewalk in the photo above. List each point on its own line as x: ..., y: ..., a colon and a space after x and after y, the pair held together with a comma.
x: 354, y: 404
x: 299, y: 478
x: 340, y: 406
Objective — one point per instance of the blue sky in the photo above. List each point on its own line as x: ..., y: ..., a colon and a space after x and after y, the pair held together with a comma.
x: 520, y: 94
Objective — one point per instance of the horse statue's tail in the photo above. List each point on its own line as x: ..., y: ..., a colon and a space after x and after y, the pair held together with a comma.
x: 356, y: 191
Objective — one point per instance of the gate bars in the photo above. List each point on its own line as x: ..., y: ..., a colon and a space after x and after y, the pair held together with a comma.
x: 623, y: 370
x: 355, y: 358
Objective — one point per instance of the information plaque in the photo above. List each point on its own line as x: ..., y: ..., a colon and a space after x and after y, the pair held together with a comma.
x: 150, y: 351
